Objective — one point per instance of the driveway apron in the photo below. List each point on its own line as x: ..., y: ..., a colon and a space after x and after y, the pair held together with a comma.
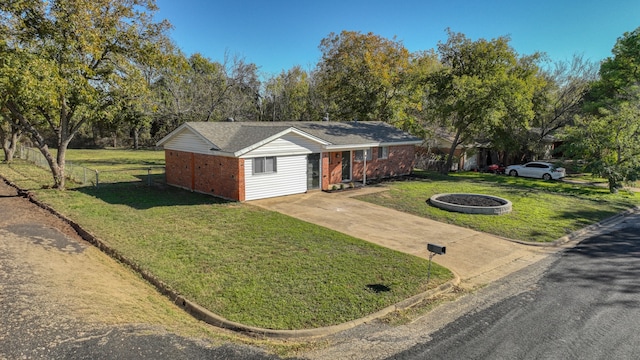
x: 476, y: 258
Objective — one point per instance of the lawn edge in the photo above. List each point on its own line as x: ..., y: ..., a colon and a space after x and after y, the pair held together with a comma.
x: 203, y: 314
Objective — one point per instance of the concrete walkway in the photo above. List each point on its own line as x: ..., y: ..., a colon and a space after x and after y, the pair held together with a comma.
x: 477, y: 258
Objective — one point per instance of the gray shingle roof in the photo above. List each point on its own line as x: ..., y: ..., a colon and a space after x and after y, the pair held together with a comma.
x: 235, y: 136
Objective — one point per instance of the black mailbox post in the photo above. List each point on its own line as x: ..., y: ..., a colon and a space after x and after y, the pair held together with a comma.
x: 434, y: 250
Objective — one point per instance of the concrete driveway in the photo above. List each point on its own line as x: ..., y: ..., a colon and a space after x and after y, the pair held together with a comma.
x: 476, y: 258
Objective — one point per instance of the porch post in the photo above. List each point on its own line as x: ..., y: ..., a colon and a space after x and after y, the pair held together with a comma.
x: 364, y: 171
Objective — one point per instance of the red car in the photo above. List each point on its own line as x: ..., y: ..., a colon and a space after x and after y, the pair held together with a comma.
x: 496, y: 169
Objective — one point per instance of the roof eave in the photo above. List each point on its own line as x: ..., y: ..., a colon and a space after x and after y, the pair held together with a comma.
x: 373, y: 144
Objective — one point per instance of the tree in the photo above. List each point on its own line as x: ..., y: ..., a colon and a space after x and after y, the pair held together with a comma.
x: 609, y: 142
x: 607, y: 137
x: 286, y: 96
x: 198, y: 89
x: 560, y: 98
x: 65, y: 62
x: 481, y: 86
x: 362, y: 76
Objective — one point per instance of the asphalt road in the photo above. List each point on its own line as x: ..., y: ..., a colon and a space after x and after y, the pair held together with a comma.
x: 586, y: 305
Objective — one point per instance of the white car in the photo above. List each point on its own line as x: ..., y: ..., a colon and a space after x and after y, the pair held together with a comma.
x: 536, y: 169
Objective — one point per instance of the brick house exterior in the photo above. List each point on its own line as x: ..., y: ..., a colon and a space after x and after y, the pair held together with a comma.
x: 247, y: 161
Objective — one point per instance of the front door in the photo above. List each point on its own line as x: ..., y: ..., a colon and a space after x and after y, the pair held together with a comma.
x: 346, y: 165
x: 313, y: 171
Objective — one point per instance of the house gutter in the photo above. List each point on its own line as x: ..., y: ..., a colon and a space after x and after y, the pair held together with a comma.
x: 337, y: 147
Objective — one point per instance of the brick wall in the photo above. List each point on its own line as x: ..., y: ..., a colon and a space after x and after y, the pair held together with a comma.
x: 335, y: 168
x: 179, y: 168
x: 399, y: 162
x: 215, y: 175
x: 326, y: 178
x: 220, y: 175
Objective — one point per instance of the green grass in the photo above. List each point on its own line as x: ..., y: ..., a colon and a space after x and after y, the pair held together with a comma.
x: 543, y: 211
x: 244, y: 263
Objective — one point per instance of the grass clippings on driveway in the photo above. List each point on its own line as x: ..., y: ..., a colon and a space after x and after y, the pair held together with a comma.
x: 543, y: 211
x: 247, y: 264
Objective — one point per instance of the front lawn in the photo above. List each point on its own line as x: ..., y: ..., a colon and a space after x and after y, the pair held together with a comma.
x: 244, y: 263
x: 543, y: 211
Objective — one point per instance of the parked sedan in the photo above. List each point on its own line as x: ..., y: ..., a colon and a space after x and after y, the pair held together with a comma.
x: 536, y: 169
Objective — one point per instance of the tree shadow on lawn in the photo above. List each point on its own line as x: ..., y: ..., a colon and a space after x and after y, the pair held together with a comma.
x: 516, y: 184
x: 140, y: 196
x: 583, y: 217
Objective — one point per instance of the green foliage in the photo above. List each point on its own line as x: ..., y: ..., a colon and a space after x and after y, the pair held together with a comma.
x: 483, y: 87
x: 609, y: 142
x: 362, y: 76
x: 67, y: 62
x: 608, y: 137
x: 287, y: 97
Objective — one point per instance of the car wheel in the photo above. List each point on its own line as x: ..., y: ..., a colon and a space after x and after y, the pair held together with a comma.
x: 546, y: 177
x: 513, y: 173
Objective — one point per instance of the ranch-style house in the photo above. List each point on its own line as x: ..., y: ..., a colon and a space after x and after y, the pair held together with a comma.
x: 253, y: 160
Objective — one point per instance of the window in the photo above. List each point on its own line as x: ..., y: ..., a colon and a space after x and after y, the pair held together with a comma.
x: 263, y: 165
x: 360, y: 155
x: 383, y: 152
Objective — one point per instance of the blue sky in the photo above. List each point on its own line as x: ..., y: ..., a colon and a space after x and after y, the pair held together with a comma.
x: 277, y: 35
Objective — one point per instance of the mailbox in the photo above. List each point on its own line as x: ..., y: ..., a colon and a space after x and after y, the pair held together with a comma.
x: 437, y: 249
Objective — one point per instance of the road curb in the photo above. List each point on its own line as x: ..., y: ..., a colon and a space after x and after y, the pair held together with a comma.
x: 599, y: 226
x: 209, y: 317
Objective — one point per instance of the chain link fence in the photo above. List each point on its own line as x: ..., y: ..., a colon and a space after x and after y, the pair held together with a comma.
x: 92, y: 177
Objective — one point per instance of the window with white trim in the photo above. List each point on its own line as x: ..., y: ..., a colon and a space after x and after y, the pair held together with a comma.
x: 264, y: 165
x: 360, y: 155
x: 383, y: 152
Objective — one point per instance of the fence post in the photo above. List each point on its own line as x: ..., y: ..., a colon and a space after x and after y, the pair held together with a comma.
x: 148, y: 176
x: 97, y: 178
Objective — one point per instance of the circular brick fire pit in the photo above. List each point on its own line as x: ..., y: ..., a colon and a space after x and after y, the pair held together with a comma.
x: 471, y: 203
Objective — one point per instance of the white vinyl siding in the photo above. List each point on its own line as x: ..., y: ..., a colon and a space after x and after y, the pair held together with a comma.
x: 289, y: 144
x: 188, y: 141
x: 291, y: 178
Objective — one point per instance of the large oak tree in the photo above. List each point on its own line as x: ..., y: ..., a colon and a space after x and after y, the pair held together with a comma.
x: 66, y: 62
x: 482, y: 88
x: 362, y: 76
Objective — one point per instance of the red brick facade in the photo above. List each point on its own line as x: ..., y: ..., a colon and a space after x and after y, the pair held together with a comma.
x: 224, y: 176
x: 400, y: 161
x: 216, y: 175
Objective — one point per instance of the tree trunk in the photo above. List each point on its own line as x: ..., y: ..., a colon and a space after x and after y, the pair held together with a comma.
x: 136, y: 138
x: 10, y: 146
x: 9, y: 139
x: 449, y: 163
x: 56, y: 171
x: 613, y: 185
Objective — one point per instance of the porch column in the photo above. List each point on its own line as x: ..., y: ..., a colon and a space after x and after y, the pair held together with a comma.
x: 364, y: 168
